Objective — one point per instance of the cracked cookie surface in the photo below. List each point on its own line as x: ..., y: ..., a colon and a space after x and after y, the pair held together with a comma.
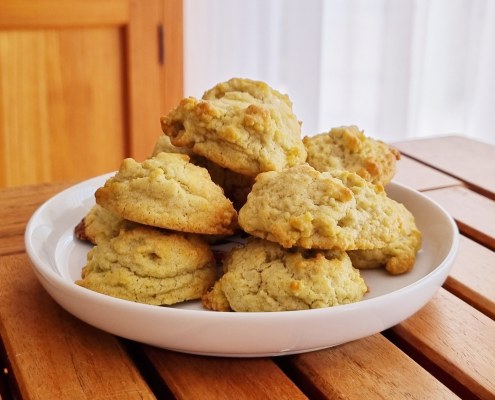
x: 99, y: 224
x: 348, y: 148
x: 397, y: 257
x: 168, y: 191
x: 148, y: 266
x: 235, y: 186
x: 263, y: 276
x: 243, y: 125
x: 327, y: 210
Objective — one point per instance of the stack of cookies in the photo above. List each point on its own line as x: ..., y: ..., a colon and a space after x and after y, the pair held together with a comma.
x: 306, y: 214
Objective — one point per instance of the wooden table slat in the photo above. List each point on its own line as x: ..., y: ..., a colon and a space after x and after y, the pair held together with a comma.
x: 37, y: 194
x: 456, y: 338
x: 54, y: 355
x: 222, y: 378
x: 12, y: 244
x: 466, y: 159
x: 474, y: 213
x: 354, y: 371
x: 473, y: 277
x: 17, y: 205
x: 421, y: 177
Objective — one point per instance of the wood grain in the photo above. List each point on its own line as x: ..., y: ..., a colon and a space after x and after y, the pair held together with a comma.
x: 474, y: 213
x: 466, y: 159
x: 172, y: 70
x: 368, y: 368
x: 472, y: 277
x: 62, y: 13
x: 17, y: 204
x: 143, y: 66
x: 56, y: 119
x: 457, y: 339
x: 194, y: 377
x: 421, y: 177
x: 54, y: 355
x: 82, y: 84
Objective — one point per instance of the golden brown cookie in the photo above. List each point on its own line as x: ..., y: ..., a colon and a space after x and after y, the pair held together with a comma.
x: 164, y: 145
x: 397, y: 257
x: 168, y: 191
x: 235, y: 186
x: 148, y: 266
x: 303, y: 207
x: 99, y: 224
x: 263, y: 276
x: 349, y: 149
x: 242, y: 125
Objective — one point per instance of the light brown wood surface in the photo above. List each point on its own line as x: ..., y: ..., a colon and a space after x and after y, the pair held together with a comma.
x: 468, y: 160
x: 354, y: 371
x: 83, y: 85
x: 62, y: 13
x: 219, y: 378
x: 473, y: 277
x: 172, y: 69
x: 420, y: 177
x: 54, y: 355
x: 143, y: 78
x: 17, y: 205
x: 57, y: 117
x: 455, y: 338
x: 474, y: 213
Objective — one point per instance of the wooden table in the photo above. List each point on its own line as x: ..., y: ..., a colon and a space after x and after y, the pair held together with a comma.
x: 446, y: 350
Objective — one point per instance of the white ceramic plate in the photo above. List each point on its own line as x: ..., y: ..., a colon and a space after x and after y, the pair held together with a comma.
x: 58, y: 258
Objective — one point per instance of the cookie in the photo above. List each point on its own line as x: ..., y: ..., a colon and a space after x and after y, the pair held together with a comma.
x: 242, y: 125
x: 164, y: 145
x: 263, y: 276
x: 99, y: 224
x: 397, y: 257
x: 303, y: 207
x: 148, y: 266
x: 349, y: 149
x: 398, y: 229
x: 167, y: 191
x: 236, y: 186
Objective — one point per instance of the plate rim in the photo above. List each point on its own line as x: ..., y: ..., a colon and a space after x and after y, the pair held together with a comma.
x: 48, y: 272
x: 372, y: 310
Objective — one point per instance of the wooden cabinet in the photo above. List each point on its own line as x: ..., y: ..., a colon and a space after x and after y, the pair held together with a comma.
x: 83, y: 84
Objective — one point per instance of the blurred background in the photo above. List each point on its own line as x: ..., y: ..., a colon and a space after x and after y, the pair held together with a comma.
x: 83, y: 83
x: 397, y: 69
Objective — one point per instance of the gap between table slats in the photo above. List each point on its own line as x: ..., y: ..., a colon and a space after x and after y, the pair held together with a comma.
x: 44, y: 344
x: 371, y: 367
x: 468, y: 160
x: 472, y: 277
x: 454, y: 342
x: 475, y: 214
